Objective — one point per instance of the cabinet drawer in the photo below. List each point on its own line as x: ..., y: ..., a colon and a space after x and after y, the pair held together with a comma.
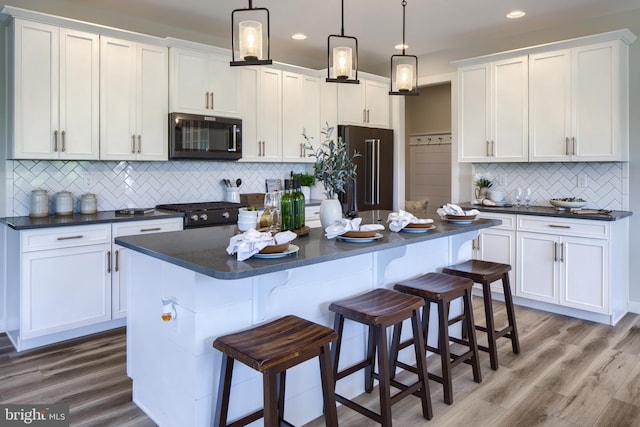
x: 508, y: 220
x: 145, y: 227
x: 564, y: 226
x: 64, y: 237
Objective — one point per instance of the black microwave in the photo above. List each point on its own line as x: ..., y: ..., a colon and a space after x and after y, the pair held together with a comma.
x: 196, y: 137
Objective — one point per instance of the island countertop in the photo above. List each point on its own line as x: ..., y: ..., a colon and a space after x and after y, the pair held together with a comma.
x: 204, y: 250
x: 549, y: 211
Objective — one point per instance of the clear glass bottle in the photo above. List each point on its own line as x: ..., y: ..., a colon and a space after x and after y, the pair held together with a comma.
x: 286, y: 207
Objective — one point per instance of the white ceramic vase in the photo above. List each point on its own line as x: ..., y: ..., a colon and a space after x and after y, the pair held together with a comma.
x: 330, y: 210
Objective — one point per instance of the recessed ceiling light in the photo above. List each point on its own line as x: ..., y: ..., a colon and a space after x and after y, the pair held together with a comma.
x: 515, y: 14
x: 401, y: 46
x: 299, y: 36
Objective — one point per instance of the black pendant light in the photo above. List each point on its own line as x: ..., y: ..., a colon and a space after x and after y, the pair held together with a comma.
x: 404, y: 68
x: 250, y: 37
x: 342, y: 57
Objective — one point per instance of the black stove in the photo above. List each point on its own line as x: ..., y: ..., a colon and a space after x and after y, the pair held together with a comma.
x: 206, y: 214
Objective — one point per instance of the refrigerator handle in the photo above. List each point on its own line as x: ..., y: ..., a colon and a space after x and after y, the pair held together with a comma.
x: 377, y: 171
x: 369, y: 194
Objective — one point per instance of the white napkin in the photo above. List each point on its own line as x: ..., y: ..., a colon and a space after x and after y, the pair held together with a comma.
x: 399, y: 220
x: 249, y: 243
x: 451, y: 209
x: 342, y: 225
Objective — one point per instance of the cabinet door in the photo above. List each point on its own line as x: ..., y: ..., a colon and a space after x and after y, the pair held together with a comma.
x: 351, y: 104
x: 377, y: 104
x: 474, y: 113
x: 189, y: 81
x: 270, y: 114
x: 498, y: 246
x: 509, y: 111
x: 249, y: 79
x: 292, y: 111
x: 585, y: 274
x: 311, y: 113
x: 152, y: 94
x: 223, y: 84
x: 64, y: 289
x: 118, y: 139
x: 36, y: 80
x: 550, y: 106
x: 537, y: 267
x: 596, y: 112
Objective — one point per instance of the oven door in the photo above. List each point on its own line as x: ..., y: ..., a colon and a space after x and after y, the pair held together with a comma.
x: 192, y: 136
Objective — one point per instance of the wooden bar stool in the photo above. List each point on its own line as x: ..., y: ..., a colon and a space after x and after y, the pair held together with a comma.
x: 272, y: 348
x: 379, y: 309
x: 441, y: 289
x: 485, y: 273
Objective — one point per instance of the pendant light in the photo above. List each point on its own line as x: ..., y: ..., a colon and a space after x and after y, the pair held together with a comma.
x: 404, y: 68
x: 250, y: 37
x: 342, y: 57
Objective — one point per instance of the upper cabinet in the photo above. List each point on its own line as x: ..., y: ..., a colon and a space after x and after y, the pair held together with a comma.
x: 203, y: 83
x: 565, y: 101
x: 364, y: 104
x: 55, y: 112
x: 300, y: 114
x: 134, y: 100
x: 493, y: 111
x: 578, y: 104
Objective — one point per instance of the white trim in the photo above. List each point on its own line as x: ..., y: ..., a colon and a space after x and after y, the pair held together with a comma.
x: 634, y: 307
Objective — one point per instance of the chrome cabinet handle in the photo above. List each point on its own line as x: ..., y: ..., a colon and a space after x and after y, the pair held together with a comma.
x: 566, y: 145
x: 206, y: 100
x: 146, y: 230
x: 561, y: 252
x: 79, y: 236
x: 555, y: 252
x: 108, y: 261
x: 488, y: 152
x: 573, y: 145
x: 62, y: 148
x: 493, y: 148
x: 212, y: 104
x: 133, y: 144
x: 139, y: 144
x: 368, y: 120
x: 559, y: 226
x: 117, y: 260
x: 55, y: 140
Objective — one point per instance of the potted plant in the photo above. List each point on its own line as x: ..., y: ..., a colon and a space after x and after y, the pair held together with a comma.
x: 306, y: 182
x: 483, y: 184
x: 335, y: 169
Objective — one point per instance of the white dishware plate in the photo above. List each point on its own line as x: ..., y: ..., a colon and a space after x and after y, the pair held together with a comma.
x: 360, y: 239
x: 461, y: 221
x: 417, y: 230
x: 292, y: 249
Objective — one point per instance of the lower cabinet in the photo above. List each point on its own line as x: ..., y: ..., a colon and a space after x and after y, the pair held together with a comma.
x: 65, y: 282
x: 576, y: 267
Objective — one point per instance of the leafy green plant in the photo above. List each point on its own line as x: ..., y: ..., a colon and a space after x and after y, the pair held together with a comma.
x: 333, y: 167
x: 305, y: 180
x: 484, y: 183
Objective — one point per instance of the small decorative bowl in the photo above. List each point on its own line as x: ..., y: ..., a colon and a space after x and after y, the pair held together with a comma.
x: 275, y: 249
x: 360, y: 234
x: 563, y: 204
x: 461, y: 217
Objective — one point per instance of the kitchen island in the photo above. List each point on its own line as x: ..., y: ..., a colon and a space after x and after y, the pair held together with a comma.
x: 175, y: 370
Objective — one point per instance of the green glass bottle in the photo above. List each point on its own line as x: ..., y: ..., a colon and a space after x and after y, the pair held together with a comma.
x: 298, y: 205
x: 286, y: 207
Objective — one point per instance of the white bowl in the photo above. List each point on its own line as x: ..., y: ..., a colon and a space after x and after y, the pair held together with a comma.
x: 562, y: 204
x: 246, y: 225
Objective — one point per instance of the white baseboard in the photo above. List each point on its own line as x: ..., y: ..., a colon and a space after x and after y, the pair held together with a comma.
x: 634, y: 307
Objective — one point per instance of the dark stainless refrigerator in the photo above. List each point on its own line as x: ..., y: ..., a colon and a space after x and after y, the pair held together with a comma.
x: 374, y: 173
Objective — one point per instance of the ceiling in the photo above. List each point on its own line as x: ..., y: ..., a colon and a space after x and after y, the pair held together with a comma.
x: 432, y: 25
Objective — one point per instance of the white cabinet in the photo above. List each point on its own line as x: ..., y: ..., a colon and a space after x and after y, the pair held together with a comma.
x: 261, y: 93
x: 202, y: 83
x: 364, y: 104
x: 134, y: 88
x: 55, y: 111
x: 498, y: 244
x: 578, y: 104
x: 493, y: 109
x: 300, y: 113
x: 118, y: 258
x: 566, y: 262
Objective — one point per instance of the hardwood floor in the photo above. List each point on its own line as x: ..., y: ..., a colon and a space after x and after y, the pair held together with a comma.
x: 570, y: 373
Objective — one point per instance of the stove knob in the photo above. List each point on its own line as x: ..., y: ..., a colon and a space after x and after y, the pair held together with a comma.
x: 225, y: 214
x: 193, y: 217
x: 204, y: 217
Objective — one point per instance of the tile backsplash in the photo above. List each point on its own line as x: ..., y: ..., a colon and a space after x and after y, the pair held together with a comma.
x: 136, y: 184
x: 607, y: 184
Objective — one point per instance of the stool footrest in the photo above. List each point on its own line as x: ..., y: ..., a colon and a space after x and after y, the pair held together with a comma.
x: 247, y: 419
x: 359, y: 408
x: 351, y: 369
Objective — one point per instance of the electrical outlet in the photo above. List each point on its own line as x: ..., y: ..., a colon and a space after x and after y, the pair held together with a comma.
x: 582, y: 180
x: 502, y: 180
x: 86, y: 180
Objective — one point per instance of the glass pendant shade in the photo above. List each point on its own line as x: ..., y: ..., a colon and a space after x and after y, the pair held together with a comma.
x: 342, y: 59
x: 404, y: 71
x: 250, y: 36
x: 404, y: 77
x: 342, y: 62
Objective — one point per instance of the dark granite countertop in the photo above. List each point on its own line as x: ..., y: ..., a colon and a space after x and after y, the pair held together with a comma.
x: 546, y: 211
x: 26, y: 223
x: 204, y: 250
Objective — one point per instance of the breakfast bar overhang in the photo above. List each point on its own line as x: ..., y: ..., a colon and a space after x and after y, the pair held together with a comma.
x: 174, y: 368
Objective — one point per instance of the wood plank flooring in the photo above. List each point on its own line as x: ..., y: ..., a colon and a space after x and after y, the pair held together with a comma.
x: 570, y: 373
